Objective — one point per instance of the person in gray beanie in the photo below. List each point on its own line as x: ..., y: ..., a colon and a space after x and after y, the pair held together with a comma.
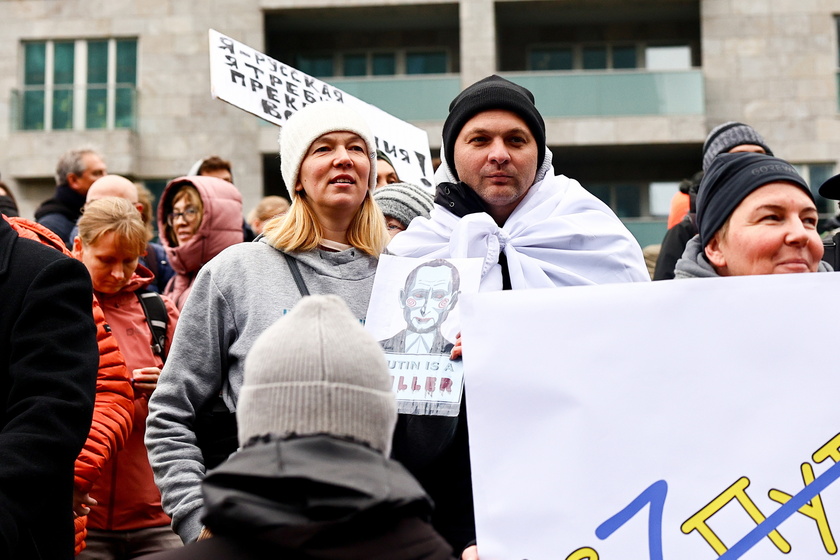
x: 729, y: 137
x: 401, y: 203
x: 732, y: 137
x: 312, y: 478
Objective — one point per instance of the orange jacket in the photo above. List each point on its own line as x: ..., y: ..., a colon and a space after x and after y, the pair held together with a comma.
x: 113, y: 409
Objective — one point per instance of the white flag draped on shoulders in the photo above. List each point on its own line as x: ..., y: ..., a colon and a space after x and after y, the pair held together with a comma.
x: 559, y: 235
x: 686, y: 419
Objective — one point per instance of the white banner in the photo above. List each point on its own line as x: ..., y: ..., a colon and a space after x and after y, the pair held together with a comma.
x: 690, y: 419
x: 273, y: 91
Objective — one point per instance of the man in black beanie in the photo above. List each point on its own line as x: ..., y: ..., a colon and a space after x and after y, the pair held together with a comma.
x: 498, y: 199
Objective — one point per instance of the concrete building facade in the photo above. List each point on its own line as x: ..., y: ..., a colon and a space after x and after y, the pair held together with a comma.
x: 629, y: 88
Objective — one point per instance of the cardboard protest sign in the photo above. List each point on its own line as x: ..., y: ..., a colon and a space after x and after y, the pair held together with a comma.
x: 414, y: 313
x: 271, y: 90
x: 687, y: 419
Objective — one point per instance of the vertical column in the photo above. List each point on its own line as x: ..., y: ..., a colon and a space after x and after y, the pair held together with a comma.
x: 478, y: 40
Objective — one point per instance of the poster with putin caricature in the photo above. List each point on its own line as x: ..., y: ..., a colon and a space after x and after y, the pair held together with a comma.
x: 413, y: 313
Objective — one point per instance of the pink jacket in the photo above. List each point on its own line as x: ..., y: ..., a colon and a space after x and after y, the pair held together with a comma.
x: 221, y: 227
x: 126, y: 493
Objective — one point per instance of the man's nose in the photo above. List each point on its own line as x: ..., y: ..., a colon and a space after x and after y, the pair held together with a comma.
x: 499, y: 153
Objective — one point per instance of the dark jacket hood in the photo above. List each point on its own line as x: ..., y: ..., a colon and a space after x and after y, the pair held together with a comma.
x: 298, y: 490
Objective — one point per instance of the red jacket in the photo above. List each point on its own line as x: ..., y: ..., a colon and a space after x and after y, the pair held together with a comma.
x: 114, y: 406
x: 126, y: 492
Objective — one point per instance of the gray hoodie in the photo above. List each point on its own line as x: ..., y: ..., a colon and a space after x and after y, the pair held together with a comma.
x: 235, y: 297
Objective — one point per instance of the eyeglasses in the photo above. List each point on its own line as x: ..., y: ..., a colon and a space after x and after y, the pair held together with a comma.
x: 189, y: 214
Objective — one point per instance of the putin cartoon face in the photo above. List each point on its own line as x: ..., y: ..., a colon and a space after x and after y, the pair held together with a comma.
x: 430, y: 293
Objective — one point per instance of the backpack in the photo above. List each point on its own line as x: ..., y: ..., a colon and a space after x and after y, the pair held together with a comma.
x: 157, y: 319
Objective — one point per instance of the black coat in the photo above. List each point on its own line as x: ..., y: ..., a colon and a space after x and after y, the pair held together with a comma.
x: 48, y: 365
x: 673, y: 246
x: 313, y: 498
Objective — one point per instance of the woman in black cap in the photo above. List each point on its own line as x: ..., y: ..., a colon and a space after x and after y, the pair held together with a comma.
x: 756, y: 215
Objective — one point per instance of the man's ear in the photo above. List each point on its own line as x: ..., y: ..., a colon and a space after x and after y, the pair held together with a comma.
x: 73, y: 181
x: 454, y: 299
x: 402, y: 298
x: 714, y: 253
x: 78, y: 250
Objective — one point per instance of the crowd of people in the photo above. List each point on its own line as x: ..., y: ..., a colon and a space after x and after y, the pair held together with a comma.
x: 239, y: 407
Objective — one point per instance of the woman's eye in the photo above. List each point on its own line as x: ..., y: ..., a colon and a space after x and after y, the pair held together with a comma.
x: 357, y: 148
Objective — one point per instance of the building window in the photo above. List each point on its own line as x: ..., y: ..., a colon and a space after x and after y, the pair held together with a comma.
x: 429, y: 62
x: 561, y: 58
x: 374, y: 63
x: 659, y: 197
x: 625, y: 200
x: 609, y: 57
x: 73, y: 85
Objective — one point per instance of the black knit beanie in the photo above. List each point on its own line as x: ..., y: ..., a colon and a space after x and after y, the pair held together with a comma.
x: 730, y: 179
x: 728, y: 135
x: 493, y: 92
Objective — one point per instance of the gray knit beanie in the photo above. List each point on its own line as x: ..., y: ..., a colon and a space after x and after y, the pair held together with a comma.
x: 309, y: 124
x: 317, y: 371
x: 728, y: 135
x: 404, y: 201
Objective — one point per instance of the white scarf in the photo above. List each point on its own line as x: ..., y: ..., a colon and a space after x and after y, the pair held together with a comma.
x: 558, y: 235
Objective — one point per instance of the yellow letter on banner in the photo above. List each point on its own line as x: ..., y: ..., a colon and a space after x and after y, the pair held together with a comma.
x: 813, y: 509
x: 829, y: 450
x: 584, y: 553
x: 736, y: 492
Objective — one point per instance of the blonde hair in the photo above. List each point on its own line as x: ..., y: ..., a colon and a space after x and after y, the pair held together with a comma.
x: 299, y: 230
x: 189, y: 192
x: 117, y: 215
x: 147, y: 199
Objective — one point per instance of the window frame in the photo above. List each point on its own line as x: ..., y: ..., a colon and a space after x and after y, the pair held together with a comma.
x: 79, y: 88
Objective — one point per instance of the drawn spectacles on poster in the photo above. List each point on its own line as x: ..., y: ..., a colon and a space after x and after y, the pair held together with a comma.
x: 413, y: 313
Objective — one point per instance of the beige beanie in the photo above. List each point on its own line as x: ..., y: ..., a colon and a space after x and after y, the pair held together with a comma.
x: 309, y: 124
x: 317, y: 371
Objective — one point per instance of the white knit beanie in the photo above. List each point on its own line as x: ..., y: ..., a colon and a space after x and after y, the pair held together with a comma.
x: 317, y: 371
x: 309, y: 124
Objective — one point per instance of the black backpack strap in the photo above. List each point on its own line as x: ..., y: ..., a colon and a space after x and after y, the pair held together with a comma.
x: 293, y: 268
x: 157, y: 318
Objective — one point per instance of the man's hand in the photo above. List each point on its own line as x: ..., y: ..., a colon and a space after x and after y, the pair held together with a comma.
x: 471, y: 552
x: 144, y: 381
x: 81, y: 503
x: 456, y: 354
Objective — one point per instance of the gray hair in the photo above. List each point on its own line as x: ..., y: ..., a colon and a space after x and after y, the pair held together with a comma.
x: 71, y: 162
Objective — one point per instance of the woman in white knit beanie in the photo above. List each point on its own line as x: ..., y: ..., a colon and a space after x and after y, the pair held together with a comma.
x: 328, y: 162
x: 327, y: 243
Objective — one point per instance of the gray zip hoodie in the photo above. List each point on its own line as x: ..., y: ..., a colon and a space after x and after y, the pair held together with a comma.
x: 235, y: 297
